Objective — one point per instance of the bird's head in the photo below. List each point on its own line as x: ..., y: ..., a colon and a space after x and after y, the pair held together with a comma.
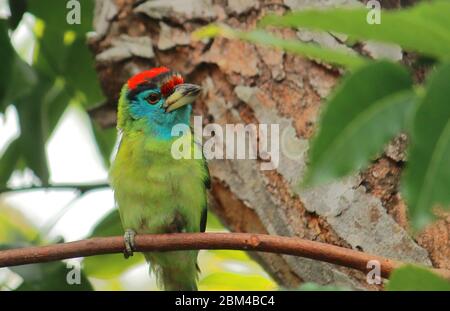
x: 154, y: 101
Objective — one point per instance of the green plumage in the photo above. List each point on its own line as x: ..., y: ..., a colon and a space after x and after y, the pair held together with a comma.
x: 156, y: 193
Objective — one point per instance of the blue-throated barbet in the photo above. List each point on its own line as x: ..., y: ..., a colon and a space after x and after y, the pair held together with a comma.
x: 155, y: 192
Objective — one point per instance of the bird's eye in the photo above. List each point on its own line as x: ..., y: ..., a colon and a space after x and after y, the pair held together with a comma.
x: 153, y: 98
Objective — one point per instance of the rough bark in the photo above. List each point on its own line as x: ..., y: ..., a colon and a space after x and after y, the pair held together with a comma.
x: 244, y: 83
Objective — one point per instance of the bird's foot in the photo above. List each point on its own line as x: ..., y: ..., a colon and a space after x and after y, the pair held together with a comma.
x: 129, y: 243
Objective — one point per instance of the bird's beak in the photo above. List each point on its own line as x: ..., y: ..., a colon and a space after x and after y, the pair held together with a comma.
x: 183, y: 94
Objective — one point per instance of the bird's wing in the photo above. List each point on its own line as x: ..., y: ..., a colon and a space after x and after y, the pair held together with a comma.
x: 207, y: 182
x: 204, y: 219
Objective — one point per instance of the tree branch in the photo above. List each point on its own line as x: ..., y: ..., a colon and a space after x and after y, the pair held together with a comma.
x: 188, y: 241
x: 82, y: 188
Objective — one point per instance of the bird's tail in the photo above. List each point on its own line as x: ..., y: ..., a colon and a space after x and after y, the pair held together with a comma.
x: 175, y: 270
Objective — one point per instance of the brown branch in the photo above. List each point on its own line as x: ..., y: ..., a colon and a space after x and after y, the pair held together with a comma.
x: 82, y: 188
x: 188, y: 241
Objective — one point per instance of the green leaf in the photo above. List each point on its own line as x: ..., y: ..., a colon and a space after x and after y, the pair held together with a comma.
x: 7, y: 56
x: 113, y: 265
x: 51, y: 53
x: 15, y: 228
x: 23, y: 79
x: 424, y: 28
x: 16, y: 77
x: 427, y: 177
x: 371, y: 106
x: 8, y: 161
x: 295, y: 46
x: 82, y: 78
x: 413, y: 278
x: 56, y: 101
x: 33, y: 128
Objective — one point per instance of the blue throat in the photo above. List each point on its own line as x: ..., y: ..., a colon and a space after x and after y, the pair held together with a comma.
x: 158, y: 123
x: 163, y: 130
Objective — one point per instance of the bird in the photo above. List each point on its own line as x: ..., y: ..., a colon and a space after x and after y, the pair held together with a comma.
x: 155, y: 191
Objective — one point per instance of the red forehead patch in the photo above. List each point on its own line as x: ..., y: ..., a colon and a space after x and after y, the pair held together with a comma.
x: 168, y: 85
x: 141, y: 77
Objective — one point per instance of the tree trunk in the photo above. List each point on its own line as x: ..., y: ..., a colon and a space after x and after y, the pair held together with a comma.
x: 244, y: 83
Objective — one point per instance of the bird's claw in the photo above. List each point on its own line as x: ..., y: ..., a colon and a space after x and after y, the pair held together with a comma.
x: 129, y: 243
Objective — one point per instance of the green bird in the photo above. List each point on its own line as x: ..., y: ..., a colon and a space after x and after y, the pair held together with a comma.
x: 155, y: 192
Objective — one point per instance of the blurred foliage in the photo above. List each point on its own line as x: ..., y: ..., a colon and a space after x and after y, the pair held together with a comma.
x: 14, y: 228
x: 49, y: 276
x: 17, y: 231
x: 423, y: 28
x: 295, y: 46
x: 427, y: 177
x: 413, y: 278
x: 42, y: 90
